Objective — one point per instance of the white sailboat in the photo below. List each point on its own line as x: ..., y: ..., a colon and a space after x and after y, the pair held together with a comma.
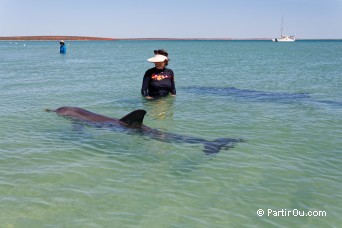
x: 284, y: 38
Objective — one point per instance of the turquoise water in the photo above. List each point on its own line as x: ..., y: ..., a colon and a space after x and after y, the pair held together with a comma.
x: 286, y: 103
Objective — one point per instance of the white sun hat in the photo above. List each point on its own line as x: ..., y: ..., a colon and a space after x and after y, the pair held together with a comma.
x: 157, y: 59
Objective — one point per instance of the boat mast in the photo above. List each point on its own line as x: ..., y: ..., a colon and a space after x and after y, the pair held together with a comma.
x: 281, y: 28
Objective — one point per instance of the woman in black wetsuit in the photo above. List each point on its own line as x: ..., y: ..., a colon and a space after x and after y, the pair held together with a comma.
x: 158, y: 81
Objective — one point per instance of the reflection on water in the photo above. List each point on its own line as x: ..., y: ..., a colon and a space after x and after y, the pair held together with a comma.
x: 161, y: 108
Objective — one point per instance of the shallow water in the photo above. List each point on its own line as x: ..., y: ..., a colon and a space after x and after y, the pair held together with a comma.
x: 55, y: 174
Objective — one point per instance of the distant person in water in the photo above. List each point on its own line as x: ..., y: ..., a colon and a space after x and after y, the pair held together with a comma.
x: 62, y: 48
x: 158, y: 81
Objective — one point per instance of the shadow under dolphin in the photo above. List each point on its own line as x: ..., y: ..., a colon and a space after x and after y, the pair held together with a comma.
x: 133, y: 123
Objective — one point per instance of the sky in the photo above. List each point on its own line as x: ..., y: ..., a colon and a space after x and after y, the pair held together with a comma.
x: 307, y: 19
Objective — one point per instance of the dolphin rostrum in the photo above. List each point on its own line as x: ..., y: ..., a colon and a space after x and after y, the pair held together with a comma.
x: 133, y: 122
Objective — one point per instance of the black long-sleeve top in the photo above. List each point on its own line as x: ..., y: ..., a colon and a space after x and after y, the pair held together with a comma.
x: 158, y: 82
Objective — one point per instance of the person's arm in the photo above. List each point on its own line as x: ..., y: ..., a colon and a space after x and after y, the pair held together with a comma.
x: 145, y: 85
x: 173, y: 85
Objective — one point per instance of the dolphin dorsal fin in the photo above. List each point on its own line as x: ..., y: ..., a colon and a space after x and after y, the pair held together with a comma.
x: 135, y: 118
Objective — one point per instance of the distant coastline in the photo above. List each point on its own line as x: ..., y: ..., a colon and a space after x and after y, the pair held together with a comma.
x: 89, y: 38
x: 47, y: 38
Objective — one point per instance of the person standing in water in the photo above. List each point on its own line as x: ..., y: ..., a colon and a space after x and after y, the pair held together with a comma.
x: 158, y: 81
x: 62, y: 48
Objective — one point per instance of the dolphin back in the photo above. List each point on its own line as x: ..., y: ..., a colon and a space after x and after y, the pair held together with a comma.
x: 135, y: 118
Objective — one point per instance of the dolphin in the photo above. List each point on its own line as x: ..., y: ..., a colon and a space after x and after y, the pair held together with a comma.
x: 248, y: 94
x: 133, y: 123
x: 261, y: 96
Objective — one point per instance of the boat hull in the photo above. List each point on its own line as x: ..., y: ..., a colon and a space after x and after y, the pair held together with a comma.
x: 285, y: 39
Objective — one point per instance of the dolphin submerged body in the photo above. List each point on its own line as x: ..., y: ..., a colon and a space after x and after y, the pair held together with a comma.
x: 261, y: 96
x: 249, y: 94
x: 133, y: 123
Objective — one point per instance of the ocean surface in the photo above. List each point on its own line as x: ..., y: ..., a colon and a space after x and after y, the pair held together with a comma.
x: 283, y: 99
